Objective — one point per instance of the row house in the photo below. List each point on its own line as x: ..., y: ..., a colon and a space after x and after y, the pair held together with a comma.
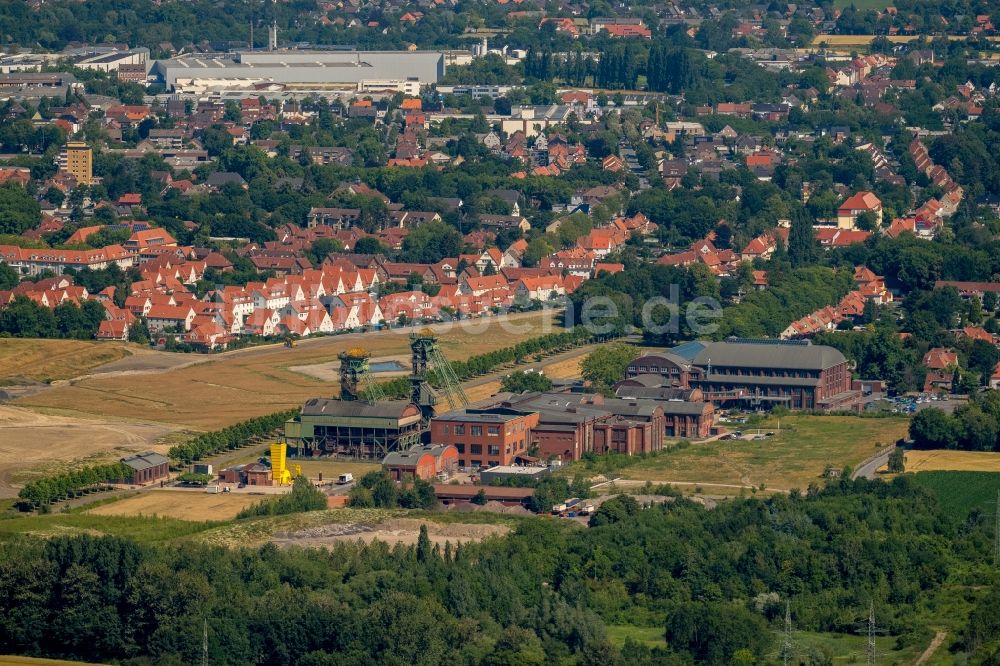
x: 573, y: 261
x: 160, y: 318
x: 408, y: 306
x: 543, y: 288
x: 338, y: 218
x: 32, y: 261
x: 602, y: 241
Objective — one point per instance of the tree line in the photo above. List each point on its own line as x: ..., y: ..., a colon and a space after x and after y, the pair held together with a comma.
x: 304, y: 497
x: 543, y: 594
x: 974, y: 426
x: 43, y: 492
x: 24, y: 318
x: 230, y: 437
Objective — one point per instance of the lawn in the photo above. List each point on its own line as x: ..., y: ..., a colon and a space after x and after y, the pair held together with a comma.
x: 862, y: 5
x: 330, y: 468
x: 238, y: 385
x: 793, y: 458
x: 33, y: 360
x: 961, y: 492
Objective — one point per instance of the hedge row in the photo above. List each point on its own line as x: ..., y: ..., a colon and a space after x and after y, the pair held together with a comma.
x: 71, y: 484
x: 230, y: 437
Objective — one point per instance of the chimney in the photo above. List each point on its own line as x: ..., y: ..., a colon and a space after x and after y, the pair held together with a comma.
x: 272, y: 37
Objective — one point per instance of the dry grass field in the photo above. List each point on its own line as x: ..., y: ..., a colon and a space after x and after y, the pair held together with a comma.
x: 49, y: 360
x: 794, y: 458
x: 193, y: 505
x: 563, y: 366
x: 952, y: 461
x: 231, y: 387
x: 6, y: 660
x: 29, y: 440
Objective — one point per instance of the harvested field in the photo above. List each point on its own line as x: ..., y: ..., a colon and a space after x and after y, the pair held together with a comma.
x: 952, y: 461
x: 213, y: 391
x: 193, y: 505
x: 840, y: 41
x: 30, y: 360
x: 29, y: 440
x: 394, y: 531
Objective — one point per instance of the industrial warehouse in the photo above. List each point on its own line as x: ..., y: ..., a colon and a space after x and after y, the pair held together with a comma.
x: 294, y: 69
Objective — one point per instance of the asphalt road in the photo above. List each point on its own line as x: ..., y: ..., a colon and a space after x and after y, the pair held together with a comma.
x: 868, y: 469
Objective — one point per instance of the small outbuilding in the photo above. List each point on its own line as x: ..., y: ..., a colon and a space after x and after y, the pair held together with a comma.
x: 422, y: 462
x: 147, y: 467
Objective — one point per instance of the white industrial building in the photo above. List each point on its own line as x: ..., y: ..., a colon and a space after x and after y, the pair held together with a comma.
x: 301, y: 70
x: 109, y: 62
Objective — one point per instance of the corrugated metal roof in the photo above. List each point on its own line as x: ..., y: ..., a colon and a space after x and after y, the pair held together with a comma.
x: 768, y: 355
x: 146, y: 460
x: 390, y: 409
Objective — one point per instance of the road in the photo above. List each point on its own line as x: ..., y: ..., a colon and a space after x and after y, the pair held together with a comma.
x: 868, y: 468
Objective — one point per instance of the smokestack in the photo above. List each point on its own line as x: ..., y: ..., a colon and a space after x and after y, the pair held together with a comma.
x: 272, y: 37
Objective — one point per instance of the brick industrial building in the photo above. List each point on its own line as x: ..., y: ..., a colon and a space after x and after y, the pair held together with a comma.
x: 792, y: 373
x: 485, y: 438
x: 422, y: 462
x: 147, y: 467
x: 522, y: 428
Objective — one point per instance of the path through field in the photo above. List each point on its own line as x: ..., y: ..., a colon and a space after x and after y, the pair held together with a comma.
x: 931, y: 649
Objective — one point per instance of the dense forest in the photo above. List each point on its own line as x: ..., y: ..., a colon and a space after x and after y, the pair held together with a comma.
x: 715, y: 582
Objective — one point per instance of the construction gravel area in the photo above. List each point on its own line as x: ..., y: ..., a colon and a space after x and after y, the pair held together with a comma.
x: 394, y: 531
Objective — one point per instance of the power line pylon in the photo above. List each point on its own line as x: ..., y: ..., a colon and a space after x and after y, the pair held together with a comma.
x: 786, y: 645
x: 996, y: 533
x: 871, y: 635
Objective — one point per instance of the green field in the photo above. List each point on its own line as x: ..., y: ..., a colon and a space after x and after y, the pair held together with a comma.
x: 650, y: 636
x: 843, y: 648
x: 32, y: 661
x: 961, y: 492
x: 862, y: 5
x: 139, y: 528
x: 840, y: 648
x: 795, y: 457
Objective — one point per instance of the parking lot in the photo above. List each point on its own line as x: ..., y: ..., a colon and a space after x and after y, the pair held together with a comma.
x: 914, y: 403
